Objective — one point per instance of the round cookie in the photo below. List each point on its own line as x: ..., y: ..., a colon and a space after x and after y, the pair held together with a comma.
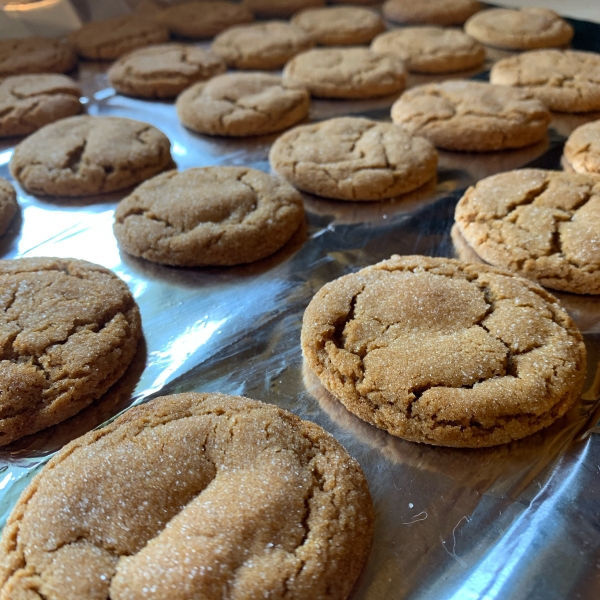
x: 243, y: 104
x: 200, y: 20
x: 582, y: 149
x: 347, y: 73
x: 523, y: 29
x: 8, y: 204
x: 442, y: 352
x: 564, y: 80
x: 431, y: 49
x: 350, y: 158
x: 279, y: 8
x: 35, y: 55
x: 432, y: 12
x: 70, y: 329
x: 208, y: 216
x: 472, y: 116
x: 83, y: 156
x: 266, y: 45
x: 541, y: 224
x: 28, y: 102
x: 111, y: 38
x: 340, y: 25
x: 164, y: 70
x: 189, y: 495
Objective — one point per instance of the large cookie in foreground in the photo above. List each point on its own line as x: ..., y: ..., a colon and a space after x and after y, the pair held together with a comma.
x: 446, y: 353
x: 188, y: 496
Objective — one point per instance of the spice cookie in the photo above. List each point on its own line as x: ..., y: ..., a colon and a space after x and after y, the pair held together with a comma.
x: 350, y: 158
x: 8, y: 204
x: 164, y: 70
x: 70, y: 328
x: 261, y: 45
x: 472, y: 116
x: 84, y: 156
x: 446, y: 353
x: 340, y: 25
x: 243, y: 104
x: 279, y: 8
x: 431, y: 49
x: 35, y: 55
x: 187, y: 496
x: 523, y: 29
x: 433, y: 12
x: 347, y: 73
x: 582, y: 149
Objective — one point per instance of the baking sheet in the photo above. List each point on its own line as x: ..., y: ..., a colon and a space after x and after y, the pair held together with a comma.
x: 516, y: 521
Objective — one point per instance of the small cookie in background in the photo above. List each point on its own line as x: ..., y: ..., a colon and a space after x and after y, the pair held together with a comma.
x: 243, y: 104
x: 431, y: 49
x: 430, y: 12
x: 268, y: 9
x: 523, y: 29
x: 347, y: 73
x: 564, y: 80
x: 582, y: 149
x: 355, y: 159
x: 267, y: 45
x: 85, y: 156
x: 472, y: 116
x: 36, y: 55
x: 164, y: 70
x: 8, y: 204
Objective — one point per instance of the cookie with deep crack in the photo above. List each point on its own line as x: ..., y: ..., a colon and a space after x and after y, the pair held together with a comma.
x: 84, y: 156
x: 243, y: 104
x: 541, y: 224
x: 35, y: 55
x: 430, y: 12
x: 164, y: 70
x: 266, y: 45
x: 70, y: 329
x: 564, y: 80
x: 279, y: 8
x: 446, y: 353
x: 472, y: 116
x: 189, y: 495
x: 351, y: 158
x: 208, y: 216
x: 8, y: 204
x: 582, y: 149
x: 347, y: 73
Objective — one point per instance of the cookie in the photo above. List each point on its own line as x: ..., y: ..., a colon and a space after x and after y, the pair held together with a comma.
x: 83, y: 156
x: 35, y: 55
x: 70, y: 328
x: 243, y: 104
x: 472, y: 116
x: 187, y: 496
x: 201, y: 20
x: 350, y: 158
x: 347, y: 73
x: 8, y: 204
x: 524, y: 29
x: 431, y: 49
x: 279, y: 8
x: 432, y: 12
x: 582, y: 149
x: 164, y: 70
x: 111, y: 38
x: 340, y: 25
x: 445, y: 353
x: 266, y: 45
x: 28, y: 102
x: 564, y: 80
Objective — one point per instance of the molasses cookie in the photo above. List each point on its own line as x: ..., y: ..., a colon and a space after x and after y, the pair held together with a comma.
x: 8, y: 204
x: 582, y: 149
x: 35, y: 55
x: 279, y: 8
x: 431, y: 12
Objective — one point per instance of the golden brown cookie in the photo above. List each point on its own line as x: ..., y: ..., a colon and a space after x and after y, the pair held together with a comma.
x: 347, y: 73
x: 432, y: 12
x: 35, y: 55
x: 472, y: 116
x: 267, y: 45
x: 564, y: 80
x: 8, y: 204
x: 83, y: 156
x: 582, y: 149
x: 350, y: 158
x: 446, y: 353
x: 523, y: 29
x: 279, y: 8
x: 164, y: 70
x: 69, y: 328
x: 243, y: 104
x: 187, y: 496
x: 431, y: 49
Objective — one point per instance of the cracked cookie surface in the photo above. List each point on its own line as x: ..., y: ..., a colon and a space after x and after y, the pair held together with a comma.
x: 243, y: 104
x: 433, y: 12
x: 279, y: 8
x: 35, y: 55
x: 69, y: 329
x: 472, y: 116
x: 8, y: 204
x: 582, y: 149
x: 188, y: 496
x: 543, y: 225
x: 446, y: 353
x: 83, y: 156
x: 208, y: 216
x: 354, y: 159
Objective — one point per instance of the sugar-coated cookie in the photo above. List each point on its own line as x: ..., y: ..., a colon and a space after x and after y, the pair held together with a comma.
x: 35, y: 55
